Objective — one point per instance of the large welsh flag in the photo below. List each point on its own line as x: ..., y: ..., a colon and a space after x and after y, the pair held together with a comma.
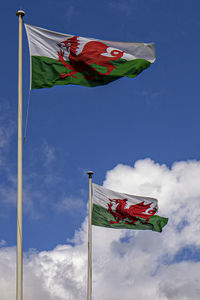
x: 118, y: 210
x: 60, y: 59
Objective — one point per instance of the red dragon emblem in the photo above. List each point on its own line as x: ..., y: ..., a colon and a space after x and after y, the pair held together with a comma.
x: 131, y: 213
x: 93, y: 52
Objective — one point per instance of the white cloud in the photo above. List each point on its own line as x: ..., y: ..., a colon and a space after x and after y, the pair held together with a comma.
x: 180, y: 281
x: 72, y: 205
x: 48, y: 153
x: 7, y: 129
x: 2, y: 243
x: 7, y: 273
x: 126, y: 264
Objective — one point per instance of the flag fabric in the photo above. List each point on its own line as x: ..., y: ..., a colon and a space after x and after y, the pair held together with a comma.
x: 61, y: 59
x: 118, y: 210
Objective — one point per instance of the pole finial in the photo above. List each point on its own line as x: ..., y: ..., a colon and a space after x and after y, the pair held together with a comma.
x: 90, y: 173
x: 20, y: 12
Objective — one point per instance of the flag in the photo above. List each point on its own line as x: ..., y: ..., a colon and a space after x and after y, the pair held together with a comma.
x: 118, y: 210
x: 60, y: 59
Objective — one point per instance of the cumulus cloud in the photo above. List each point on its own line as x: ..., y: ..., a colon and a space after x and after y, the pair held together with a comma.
x: 126, y: 264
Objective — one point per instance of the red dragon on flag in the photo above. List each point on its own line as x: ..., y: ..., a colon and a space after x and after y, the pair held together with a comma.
x: 62, y: 59
x: 93, y: 53
x: 131, y: 213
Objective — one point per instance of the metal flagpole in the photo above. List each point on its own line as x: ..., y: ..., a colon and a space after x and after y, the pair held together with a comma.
x: 19, y: 271
x: 89, y: 286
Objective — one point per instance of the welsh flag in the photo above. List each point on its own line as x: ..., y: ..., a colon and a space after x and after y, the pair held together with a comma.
x: 118, y: 210
x: 59, y: 59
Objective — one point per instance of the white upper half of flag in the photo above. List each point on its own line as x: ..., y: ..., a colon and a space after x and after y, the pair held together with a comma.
x: 102, y: 196
x: 43, y: 42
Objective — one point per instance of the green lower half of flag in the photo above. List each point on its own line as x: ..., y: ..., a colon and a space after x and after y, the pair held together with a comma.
x: 102, y: 217
x: 47, y: 72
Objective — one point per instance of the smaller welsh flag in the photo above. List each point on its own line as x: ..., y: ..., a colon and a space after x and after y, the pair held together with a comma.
x: 119, y: 210
x: 60, y: 59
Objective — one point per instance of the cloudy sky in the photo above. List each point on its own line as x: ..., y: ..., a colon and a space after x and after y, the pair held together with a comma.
x: 139, y: 136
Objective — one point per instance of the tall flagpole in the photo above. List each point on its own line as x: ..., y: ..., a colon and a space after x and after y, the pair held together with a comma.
x: 19, y: 271
x: 89, y: 285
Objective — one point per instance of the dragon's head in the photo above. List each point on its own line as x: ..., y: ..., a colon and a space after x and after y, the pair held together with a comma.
x: 117, y: 201
x: 70, y: 44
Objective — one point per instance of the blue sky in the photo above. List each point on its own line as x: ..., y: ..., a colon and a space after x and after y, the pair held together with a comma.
x: 138, y: 135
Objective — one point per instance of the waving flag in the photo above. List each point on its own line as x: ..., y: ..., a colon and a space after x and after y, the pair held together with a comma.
x: 60, y: 59
x: 119, y: 210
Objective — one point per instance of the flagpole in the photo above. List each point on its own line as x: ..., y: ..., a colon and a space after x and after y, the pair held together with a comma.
x: 19, y: 265
x: 89, y: 285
